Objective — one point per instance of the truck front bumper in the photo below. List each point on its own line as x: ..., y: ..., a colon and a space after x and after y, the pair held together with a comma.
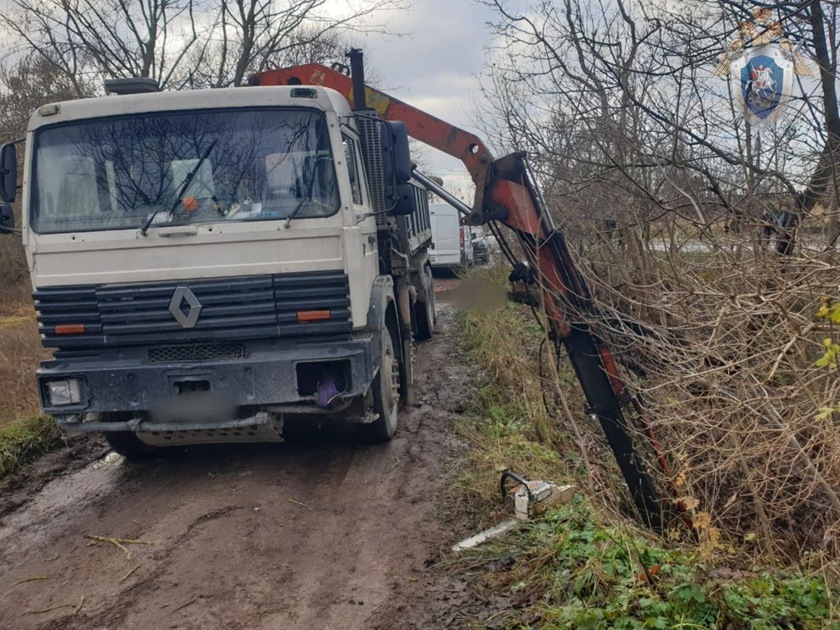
x: 126, y: 385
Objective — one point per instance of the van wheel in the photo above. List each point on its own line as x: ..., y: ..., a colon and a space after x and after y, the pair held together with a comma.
x: 386, y: 395
x: 425, y: 310
x: 127, y: 444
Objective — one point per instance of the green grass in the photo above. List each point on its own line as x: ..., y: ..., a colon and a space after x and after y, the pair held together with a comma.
x: 587, y: 567
x: 23, y: 440
x: 568, y: 570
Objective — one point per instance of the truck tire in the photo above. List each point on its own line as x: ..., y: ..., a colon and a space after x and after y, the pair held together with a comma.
x: 127, y: 444
x: 386, y: 394
x: 425, y: 310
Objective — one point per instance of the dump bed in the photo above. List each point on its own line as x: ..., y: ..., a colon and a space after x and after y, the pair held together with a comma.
x: 417, y: 226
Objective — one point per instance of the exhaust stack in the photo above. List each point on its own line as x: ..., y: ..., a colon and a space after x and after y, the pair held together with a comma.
x: 357, y: 75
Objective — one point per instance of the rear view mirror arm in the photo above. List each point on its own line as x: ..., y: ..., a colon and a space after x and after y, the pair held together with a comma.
x: 7, y: 220
x: 8, y: 172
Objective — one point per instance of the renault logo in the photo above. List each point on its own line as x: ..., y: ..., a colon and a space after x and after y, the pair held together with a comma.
x: 185, y: 314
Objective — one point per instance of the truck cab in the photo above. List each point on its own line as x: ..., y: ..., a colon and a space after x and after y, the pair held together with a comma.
x: 206, y: 264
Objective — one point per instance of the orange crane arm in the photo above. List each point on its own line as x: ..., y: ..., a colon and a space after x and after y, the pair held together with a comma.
x: 506, y: 192
x: 428, y: 129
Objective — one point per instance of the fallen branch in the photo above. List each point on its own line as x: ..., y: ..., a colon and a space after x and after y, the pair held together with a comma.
x: 300, y: 504
x: 42, y: 611
x: 120, y: 543
x: 127, y: 575
x: 34, y: 578
x: 182, y: 606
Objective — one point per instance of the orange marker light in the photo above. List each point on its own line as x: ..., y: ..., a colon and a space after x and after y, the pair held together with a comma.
x: 190, y: 204
x: 69, y: 329
x: 312, y: 316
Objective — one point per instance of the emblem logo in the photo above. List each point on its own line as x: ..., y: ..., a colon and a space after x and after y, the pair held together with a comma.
x: 762, y: 62
x: 765, y: 84
x: 185, y: 307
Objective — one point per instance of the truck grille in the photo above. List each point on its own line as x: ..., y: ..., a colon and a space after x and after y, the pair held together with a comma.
x: 370, y: 133
x: 197, y: 352
x: 231, y: 310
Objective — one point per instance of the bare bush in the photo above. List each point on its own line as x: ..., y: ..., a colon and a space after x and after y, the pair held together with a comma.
x: 709, y: 245
x: 726, y: 364
x: 20, y: 354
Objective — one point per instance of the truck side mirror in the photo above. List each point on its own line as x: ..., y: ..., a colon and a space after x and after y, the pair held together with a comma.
x: 396, y: 152
x: 402, y: 153
x: 407, y: 201
x: 7, y: 219
x: 8, y: 173
x: 396, y: 160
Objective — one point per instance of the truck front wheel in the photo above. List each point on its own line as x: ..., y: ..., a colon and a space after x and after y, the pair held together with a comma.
x: 127, y: 444
x: 386, y: 394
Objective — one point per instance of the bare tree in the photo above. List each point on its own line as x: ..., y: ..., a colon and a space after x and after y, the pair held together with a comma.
x: 213, y: 43
x: 638, y: 75
x: 27, y: 84
x: 24, y: 86
x: 113, y: 38
x: 236, y: 55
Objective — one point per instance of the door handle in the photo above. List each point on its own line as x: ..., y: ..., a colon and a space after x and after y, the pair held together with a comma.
x: 178, y: 230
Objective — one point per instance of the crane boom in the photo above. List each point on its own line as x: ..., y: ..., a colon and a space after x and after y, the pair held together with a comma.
x: 460, y: 144
x: 506, y: 192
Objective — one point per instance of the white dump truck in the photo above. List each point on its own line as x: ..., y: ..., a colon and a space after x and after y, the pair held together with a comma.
x: 208, y: 264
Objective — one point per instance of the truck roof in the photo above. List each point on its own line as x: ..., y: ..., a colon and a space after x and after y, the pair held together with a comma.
x: 315, y: 97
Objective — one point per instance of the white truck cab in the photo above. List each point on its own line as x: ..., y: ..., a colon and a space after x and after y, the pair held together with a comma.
x: 208, y: 263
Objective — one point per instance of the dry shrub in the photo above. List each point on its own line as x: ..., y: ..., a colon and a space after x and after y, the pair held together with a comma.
x: 505, y: 343
x: 16, y: 302
x: 13, y: 262
x: 15, y: 299
x: 726, y: 362
x: 20, y: 354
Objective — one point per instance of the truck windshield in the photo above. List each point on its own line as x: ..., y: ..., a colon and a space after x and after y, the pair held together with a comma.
x: 195, y: 167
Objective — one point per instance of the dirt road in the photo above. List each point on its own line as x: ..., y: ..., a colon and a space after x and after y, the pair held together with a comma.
x: 317, y: 532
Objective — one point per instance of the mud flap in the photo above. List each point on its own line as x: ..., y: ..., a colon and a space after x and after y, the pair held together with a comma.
x: 383, y: 297
x: 407, y: 390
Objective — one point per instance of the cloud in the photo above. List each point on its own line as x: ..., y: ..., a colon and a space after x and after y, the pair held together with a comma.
x: 431, y: 59
x: 434, y: 65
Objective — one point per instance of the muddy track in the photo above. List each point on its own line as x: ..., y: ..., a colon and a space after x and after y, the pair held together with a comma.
x: 318, y: 532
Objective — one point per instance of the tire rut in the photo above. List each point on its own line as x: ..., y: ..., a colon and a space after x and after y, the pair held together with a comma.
x: 315, y: 532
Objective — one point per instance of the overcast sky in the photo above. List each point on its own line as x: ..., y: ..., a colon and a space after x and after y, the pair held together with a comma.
x: 435, y: 65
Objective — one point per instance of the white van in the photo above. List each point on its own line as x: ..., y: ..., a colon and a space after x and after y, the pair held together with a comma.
x: 451, y: 242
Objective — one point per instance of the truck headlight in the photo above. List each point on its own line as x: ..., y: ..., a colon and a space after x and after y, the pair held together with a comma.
x: 63, y: 393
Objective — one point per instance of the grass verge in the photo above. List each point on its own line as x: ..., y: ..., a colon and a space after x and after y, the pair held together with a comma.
x: 24, y: 434
x: 571, y: 570
x: 20, y: 354
x: 584, y: 566
x: 25, y: 439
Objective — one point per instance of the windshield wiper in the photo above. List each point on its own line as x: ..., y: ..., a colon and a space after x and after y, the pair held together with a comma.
x: 309, y: 186
x: 187, y: 181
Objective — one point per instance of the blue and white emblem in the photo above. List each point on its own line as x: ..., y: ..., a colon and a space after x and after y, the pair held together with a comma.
x: 766, y: 83
x: 761, y: 65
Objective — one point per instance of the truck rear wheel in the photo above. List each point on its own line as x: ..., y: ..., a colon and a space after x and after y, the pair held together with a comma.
x: 127, y: 444
x: 425, y: 309
x: 386, y: 394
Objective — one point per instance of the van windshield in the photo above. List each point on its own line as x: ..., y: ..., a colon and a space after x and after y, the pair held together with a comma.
x: 195, y: 167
